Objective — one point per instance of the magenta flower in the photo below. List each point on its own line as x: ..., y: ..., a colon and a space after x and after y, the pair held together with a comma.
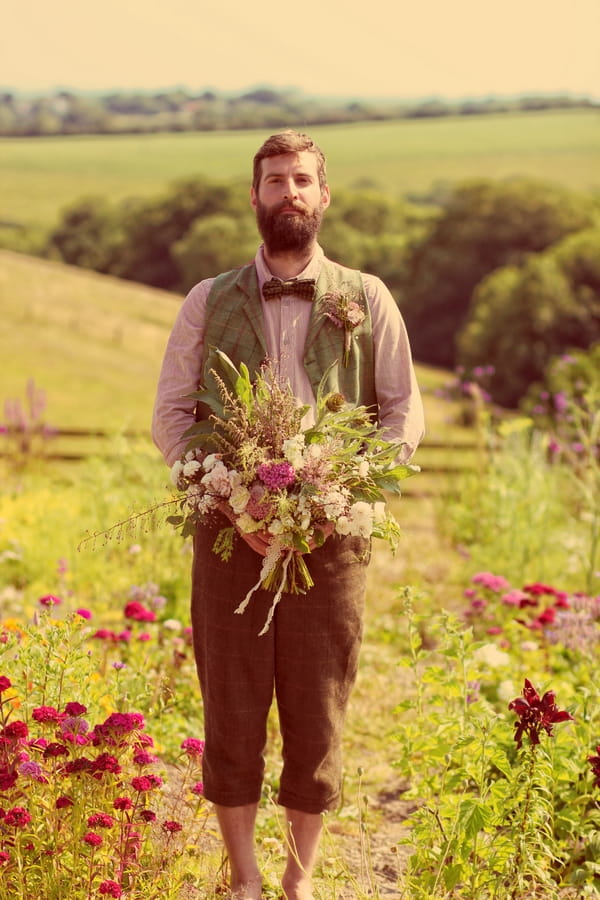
x: 110, y: 888
x: 93, y: 839
x: 45, y: 715
x: 146, y: 782
x: 49, y: 600
x: 143, y: 758
x: 276, y: 475
x: 594, y: 761
x: 123, y: 803
x: 4, y: 857
x: 171, y: 827
x: 198, y: 788
x: 84, y: 613
x: 15, y: 731
x: 17, y: 817
x: 146, y: 815
x: 75, y: 709
x: 100, y: 820
x: 138, y: 612
x: 193, y: 747
x: 495, y: 583
x: 106, y: 762
x: 536, y: 713
x: 8, y: 778
x: 5, y: 683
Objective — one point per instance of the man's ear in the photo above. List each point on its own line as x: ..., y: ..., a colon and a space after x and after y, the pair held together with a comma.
x: 253, y: 198
x: 326, y: 196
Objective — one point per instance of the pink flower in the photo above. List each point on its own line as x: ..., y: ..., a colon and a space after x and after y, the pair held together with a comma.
x: 4, y: 857
x: 146, y: 782
x: 138, y: 612
x: 93, y: 839
x: 171, y: 827
x: 122, y: 803
x: 49, y: 600
x: 106, y: 762
x: 495, y: 583
x: 110, y: 888
x: 198, y: 788
x: 100, y: 820
x: 84, y: 613
x: 146, y: 815
x: 193, y: 746
x: 17, y: 817
x: 45, y: 714
x: 276, y: 475
x: 143, y: 758
x: 16, y: 731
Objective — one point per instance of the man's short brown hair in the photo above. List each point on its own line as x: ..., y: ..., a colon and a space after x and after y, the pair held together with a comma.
x: 288, y: 142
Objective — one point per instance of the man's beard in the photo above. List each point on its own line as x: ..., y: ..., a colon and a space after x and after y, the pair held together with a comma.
x: 285, y: 233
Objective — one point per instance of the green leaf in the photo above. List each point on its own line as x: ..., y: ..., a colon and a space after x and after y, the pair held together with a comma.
x: 473, y: 815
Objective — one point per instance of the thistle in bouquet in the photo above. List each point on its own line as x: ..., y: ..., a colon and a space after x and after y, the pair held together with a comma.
x: 253, y: 460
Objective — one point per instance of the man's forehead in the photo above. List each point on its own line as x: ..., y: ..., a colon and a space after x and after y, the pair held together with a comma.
x: 302, y: 159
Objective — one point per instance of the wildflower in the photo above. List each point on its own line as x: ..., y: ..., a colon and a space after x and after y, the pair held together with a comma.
x: 17, y: 817
x: 63, y: 802
x: 193, y: 746
x: 106, y: 762
x: 146, y: 815
x: 5, y: 683
x: 16, y: 731
x: 51, y: 751
x: 198, y: 788
x: 122, y: 803
x: 45, y: 715
x: 84, y: 613
x: 171, y: 827
x: 594, y: 761
x: 100, y: 820
x: 49, y: 600
x: 77, y: 766
x: 4, y: 857
x: 110, y: 888
x: 75, y: 709
x: 146, y: 782
x: 276, y: 475
x: 93, y: 839
x: 104, y: 634
x: 138, y: 612
x: 536, y: 713
x: 116, y: 726
x: 8, y: 778
x: 33, y: 770
x: 495, y: 583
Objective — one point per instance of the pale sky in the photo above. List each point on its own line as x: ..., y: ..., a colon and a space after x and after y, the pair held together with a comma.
x: 360, y: 48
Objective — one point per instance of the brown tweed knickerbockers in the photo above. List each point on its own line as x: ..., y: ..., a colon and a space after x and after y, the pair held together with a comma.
x: 309, y: 657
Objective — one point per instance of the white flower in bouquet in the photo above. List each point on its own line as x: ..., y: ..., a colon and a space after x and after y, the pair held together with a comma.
x: 293, y: 451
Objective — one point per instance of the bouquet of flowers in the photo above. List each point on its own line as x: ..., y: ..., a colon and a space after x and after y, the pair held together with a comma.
x: 252, y: 460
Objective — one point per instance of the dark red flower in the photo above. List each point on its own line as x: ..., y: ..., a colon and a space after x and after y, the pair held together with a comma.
x: 171, y: 827
x: 5, y: 683
x: 8, y: 778
x: 147, y: 815
x: 122, y: 803
x: 63, y: 802
x: 55, y: 749
x: 536, y: 713
x: 594, y: 761
x: 100, y: 820
x: 45, y: 714
x: 91, y: 838
x: 15, y: 731
x: 18, y: 817
x: 75, y: 709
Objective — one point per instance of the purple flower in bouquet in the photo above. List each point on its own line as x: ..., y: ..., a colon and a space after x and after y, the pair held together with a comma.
x: 276, y: 475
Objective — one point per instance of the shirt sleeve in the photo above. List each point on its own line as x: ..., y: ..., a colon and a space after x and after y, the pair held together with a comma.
x: 398, y: 395
x: 180, y: 375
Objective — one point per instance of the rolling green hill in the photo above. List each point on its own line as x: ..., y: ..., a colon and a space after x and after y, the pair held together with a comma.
x: 39, y: 176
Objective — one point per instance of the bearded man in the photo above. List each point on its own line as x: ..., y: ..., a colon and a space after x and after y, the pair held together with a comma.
x: 309, y: 656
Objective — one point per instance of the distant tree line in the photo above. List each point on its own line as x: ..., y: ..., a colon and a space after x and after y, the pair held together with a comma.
x: 66, y: 112
x: 504, y: 274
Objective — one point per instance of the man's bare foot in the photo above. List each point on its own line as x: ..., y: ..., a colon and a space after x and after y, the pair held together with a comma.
x: 298, y: 889
x: 247, y: 890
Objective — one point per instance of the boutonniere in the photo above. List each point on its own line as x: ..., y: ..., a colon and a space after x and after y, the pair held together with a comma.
x: 344, y: 312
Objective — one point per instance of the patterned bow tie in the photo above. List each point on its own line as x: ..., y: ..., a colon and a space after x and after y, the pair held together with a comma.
x: 299, y: 287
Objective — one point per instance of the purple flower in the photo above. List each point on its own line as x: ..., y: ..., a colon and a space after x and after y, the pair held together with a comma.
x: 276, y: 475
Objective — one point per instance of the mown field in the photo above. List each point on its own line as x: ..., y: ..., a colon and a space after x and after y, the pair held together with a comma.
x: 39, y: 176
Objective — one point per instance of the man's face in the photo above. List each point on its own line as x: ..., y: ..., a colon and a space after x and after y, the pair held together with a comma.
x: 289, y: 201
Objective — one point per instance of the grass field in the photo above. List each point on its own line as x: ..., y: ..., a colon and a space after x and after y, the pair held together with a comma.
x: 39, y: 176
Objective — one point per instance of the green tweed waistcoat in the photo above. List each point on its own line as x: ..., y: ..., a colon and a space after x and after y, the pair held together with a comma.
x: 234, y: 324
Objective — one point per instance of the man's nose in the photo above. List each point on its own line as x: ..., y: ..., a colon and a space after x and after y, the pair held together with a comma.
x: 289, y: 189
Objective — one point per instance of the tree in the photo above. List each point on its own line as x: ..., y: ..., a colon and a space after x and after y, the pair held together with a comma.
x: 524, y: 315
x: 88, y: 235
x: 214, y: 244
x: 484, y: 225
